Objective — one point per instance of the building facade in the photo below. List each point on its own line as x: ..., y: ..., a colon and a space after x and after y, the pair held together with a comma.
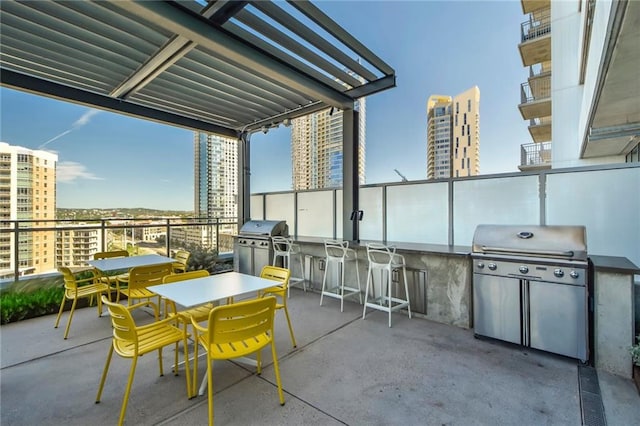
x: 216, y: 176
x: 74, y: 247
x: 453, y: 135
x: 216, y: 190
x: 27, y: 192
x: 584, y: 110
x: 316, y: 148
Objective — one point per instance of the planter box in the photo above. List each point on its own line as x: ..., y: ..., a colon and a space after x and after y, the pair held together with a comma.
x: 636, y: 376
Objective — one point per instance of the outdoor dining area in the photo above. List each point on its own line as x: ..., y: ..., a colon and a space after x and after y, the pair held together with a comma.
x: 335, y: 369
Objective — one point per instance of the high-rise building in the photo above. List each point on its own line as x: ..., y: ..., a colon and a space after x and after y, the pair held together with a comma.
x: 535, y: 93
x: 585, y: 109
x: 316, y: 148
x: 27, y: 192
x: 216, y: 191
x: 453, y: 135
x: 216, y: 176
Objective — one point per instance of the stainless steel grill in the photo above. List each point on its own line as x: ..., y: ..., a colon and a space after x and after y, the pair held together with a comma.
x: 253, y: 248
x: 530, y: 286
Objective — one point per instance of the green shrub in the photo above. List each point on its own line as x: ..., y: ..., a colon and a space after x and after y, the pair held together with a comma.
x: 18, y: 305
x: 635, y: 352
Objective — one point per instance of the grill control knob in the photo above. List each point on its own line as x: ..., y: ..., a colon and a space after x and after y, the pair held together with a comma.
x: 558, y: 272
x: 523, y: 269
x: 480, y: 265
x: 492, y: 266
x: 574, y: 274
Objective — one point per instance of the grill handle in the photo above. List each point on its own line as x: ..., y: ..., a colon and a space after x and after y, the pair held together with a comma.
x: 547, y: 253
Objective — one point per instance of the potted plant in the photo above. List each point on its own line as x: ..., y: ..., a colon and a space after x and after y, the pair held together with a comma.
x: 635, y: 357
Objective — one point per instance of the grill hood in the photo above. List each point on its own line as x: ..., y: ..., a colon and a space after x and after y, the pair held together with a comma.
x: 265, y: 228
x: 562, y: 242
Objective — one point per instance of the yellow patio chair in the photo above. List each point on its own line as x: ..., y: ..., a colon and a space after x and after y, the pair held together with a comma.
x: 199, y: 313
x: 235, y: 331
x: 75, y: 289
x: 132, y: 341
x: 112, y: 279
x: 143, y: 277
x: 281, y: 275
x: 182, y: 258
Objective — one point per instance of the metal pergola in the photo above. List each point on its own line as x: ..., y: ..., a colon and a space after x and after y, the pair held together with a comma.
x: 224, y: 67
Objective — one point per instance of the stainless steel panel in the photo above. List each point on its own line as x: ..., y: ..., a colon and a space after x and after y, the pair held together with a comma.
x: 496, y: 307
x: 558, y: 318
x: 562, y: 242
x: 261, y: 258
x: 264, y: 228
x: 243, y: 259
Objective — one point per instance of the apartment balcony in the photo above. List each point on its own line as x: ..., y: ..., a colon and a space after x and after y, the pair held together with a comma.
x: 540, y: 129
x: 529, y: 6
x: 535, y: 36
x: 535, y: 156
x: 535, y: 97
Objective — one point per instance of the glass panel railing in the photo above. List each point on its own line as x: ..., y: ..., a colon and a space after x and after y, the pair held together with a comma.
x: 31, y: 248
x: 418, y: 213
x: 508, y: 201
x: 315, y: 214
x: 607, y: 202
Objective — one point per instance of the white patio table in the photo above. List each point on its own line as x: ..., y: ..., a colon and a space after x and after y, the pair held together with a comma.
x: 119, y: 263
x: 197, y: 291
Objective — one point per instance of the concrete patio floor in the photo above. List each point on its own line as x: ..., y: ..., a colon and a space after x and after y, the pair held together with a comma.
x: 345, y: 371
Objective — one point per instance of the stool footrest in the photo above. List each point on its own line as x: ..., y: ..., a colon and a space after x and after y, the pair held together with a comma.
x: 348, y: 291
x: 396, y: 304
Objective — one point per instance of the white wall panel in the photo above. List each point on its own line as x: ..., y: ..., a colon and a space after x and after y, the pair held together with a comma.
x: 418, y: 213
x: 281, y: 207
x: 502, y: 201
x: 607, y: 202
x: 315, y: 214
x: 371, y: 203
x: 257, y: 207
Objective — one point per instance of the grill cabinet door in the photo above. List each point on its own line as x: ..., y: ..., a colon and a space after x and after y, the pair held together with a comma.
x: 496, y: 307
x: 558, y: 318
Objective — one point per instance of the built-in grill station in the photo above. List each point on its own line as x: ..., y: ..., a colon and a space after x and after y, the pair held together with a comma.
x: 530, y: 287
x: 253, y: 248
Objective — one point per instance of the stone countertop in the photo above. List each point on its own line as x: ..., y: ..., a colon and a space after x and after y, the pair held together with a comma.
x: 400, y: 246
x: 614, y: 264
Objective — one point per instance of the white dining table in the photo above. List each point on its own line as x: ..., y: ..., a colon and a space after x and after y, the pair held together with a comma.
x: 120, y: 263
x: 197, y: 291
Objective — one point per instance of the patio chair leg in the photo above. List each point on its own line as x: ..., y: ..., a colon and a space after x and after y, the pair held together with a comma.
x: 73, y: 307
x: 104, y: 374
x: 125, y: 400
x: 64, y: 298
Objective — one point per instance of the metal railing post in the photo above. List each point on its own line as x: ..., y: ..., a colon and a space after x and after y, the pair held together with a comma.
x: 168, y: 243
x: 16, y: 250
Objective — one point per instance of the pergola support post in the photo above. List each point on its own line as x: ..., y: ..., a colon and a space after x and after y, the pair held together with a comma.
x: 244, y: 178
x: 350, y: 175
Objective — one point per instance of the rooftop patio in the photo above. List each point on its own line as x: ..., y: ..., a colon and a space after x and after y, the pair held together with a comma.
x: 345, y: 371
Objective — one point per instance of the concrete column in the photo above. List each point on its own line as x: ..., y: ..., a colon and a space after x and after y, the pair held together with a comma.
x: 613, y: 321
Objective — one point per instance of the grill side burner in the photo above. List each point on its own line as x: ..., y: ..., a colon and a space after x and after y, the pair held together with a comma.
x: 253, y: 248
x: 531, y: 288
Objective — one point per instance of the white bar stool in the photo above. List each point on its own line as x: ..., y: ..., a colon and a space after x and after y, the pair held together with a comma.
x: 384, y: 259
x: 339, y: 253
x: 284, y: 247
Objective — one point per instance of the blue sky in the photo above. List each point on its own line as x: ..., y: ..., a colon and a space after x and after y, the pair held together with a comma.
x: 436, y: 47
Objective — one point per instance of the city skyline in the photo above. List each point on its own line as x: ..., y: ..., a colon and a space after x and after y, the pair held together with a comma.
x: 109, y: 160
